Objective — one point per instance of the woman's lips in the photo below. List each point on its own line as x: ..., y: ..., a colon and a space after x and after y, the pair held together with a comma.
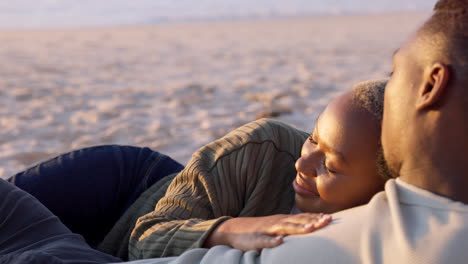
x: 304, y: 188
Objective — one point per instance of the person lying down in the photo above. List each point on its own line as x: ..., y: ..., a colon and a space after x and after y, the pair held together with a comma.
x: 247, y: 190
x: 261, y: 182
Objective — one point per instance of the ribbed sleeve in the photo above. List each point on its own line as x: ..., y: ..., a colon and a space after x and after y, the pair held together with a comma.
x: 246, y: 173
x: 116, y: 241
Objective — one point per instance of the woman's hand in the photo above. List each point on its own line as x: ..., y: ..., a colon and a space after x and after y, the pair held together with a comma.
x: 255, y: 233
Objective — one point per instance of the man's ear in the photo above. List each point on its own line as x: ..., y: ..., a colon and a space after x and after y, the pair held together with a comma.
x: 434, y: 86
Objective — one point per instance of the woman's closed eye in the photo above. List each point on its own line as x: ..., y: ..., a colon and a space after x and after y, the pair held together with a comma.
x: 311, y: 140
x: 327, y: 168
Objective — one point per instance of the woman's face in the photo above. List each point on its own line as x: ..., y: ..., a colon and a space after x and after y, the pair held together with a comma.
x: 338, y: 164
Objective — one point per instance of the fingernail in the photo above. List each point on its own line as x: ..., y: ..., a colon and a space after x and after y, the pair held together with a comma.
x: 277, y: 239
x: 307, y: 226
x: 322, y: 220
x: 325, y: 218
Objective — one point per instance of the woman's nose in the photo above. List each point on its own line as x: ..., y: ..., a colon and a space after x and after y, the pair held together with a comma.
x: 307, y: 163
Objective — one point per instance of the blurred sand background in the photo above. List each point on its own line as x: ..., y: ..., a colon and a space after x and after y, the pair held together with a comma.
x: 175, y: 87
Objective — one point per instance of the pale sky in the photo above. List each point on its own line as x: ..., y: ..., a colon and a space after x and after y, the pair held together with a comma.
x: 52, y: 13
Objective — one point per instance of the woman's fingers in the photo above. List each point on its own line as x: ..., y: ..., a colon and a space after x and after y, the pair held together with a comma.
x: 254, y: 241
x: 266, y: 241
x: 321, y: 222
x: 255, y: 233
x: 299, y: 224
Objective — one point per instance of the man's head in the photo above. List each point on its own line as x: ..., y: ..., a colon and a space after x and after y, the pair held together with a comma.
x: 426, y: 99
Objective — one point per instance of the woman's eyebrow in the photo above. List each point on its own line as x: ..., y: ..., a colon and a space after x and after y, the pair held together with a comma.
x: 327, y: 147
x: 335, y: 152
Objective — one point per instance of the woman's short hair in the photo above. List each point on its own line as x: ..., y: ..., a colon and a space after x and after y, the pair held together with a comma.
x: 369, y: 97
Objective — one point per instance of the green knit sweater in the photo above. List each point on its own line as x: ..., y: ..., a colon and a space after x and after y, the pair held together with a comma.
x: 246, y: 173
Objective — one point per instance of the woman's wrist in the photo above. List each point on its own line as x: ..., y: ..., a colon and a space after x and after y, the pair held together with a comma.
x: 218, y: 236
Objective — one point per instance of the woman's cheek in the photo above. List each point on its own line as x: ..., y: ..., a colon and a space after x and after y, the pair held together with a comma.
x: 325, y: 188
x: 332, y: 189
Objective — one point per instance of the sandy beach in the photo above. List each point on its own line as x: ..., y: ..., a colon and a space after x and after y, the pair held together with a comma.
x: 175, y: 87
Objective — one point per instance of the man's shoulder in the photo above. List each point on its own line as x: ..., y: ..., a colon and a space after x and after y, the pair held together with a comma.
x: 336, y: 243
x: 398, y: 224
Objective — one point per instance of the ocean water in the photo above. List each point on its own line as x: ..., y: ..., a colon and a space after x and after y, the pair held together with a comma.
x: 72, y: 13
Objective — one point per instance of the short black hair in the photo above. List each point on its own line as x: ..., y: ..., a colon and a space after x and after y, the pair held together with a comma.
x: 451, y: 6
x: 448, y: 30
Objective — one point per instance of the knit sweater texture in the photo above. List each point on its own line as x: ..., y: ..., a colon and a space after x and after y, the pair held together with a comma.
x: 246, y: 173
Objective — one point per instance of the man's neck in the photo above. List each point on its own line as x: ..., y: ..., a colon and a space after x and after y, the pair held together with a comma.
x: 435, y: 156
x: 449, y: 181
